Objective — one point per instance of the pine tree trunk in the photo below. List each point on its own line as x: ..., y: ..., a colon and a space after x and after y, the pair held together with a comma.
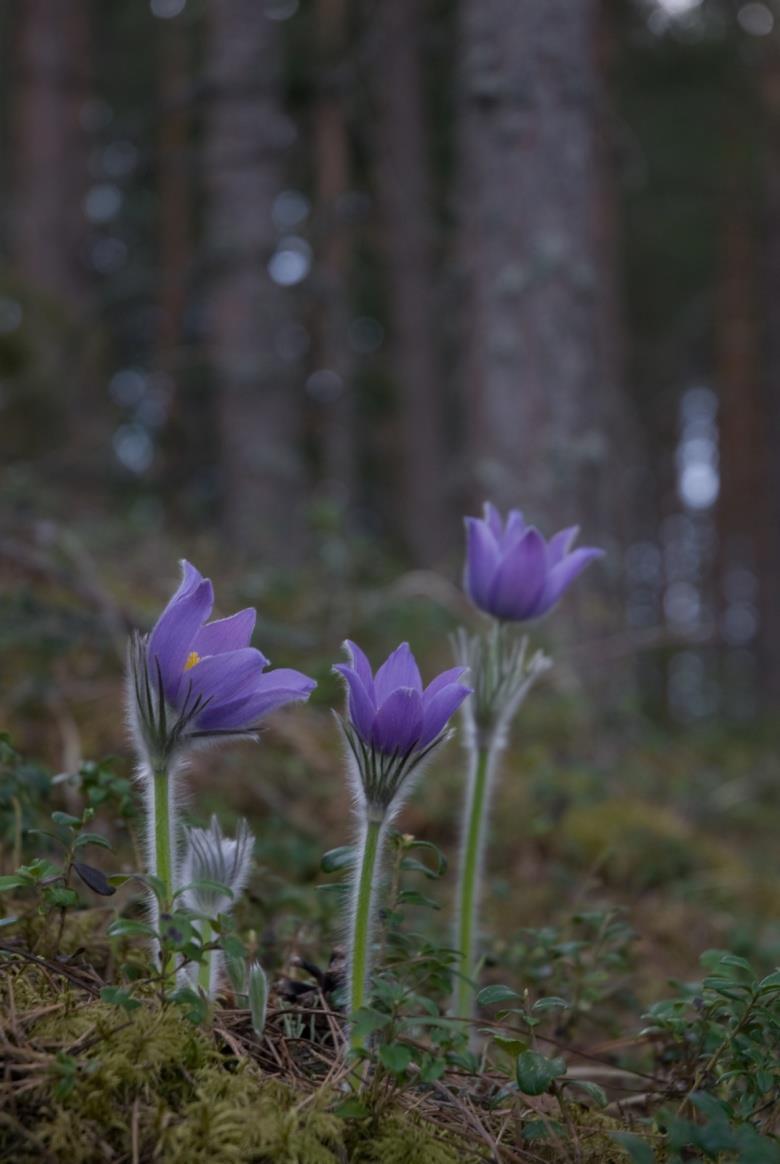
x: 50, y: 150
x: 408, y: 229
x: 542, y: 363
x: 770, y: 395
x: 247, y: 135
x: 334, y: 257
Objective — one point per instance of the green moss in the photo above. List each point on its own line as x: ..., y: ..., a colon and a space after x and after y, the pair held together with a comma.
x: 405, y: 1139
x: 633, y: 843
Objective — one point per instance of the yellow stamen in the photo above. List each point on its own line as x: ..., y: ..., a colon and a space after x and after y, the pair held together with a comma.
x: 192, y: 659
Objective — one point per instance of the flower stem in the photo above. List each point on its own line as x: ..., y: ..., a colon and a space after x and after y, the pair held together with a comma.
x: 164, y: 842
x: 474, y: 831
x: 362, y: 917
x: 206, y: 966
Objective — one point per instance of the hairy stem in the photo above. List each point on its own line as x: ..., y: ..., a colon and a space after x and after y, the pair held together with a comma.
x: 206, y: 969
x: 362, y: 917
x: 483, y: 761
x: 164, y: 833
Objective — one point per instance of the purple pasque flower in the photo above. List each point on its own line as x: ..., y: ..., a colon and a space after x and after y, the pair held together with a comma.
x: 512, y: 572
x: 196, y: 680
x: 394, y: 723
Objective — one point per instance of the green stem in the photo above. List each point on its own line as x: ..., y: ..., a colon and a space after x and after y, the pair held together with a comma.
x: 204, y: 969
x: 360, y: 946
x: 163, y: 847
x: 471, y: 866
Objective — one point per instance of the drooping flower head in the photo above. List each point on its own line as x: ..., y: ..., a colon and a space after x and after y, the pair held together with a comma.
x: 193, y: 680
x: 512, y: 572
x: 393, y: 722
x: 211, y: 857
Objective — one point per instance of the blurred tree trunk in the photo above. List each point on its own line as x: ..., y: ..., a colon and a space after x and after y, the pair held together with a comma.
x: 332, y: 164
x: 770, y: 234
x: 175, y: 226
x: 49, y: 238
x: 547, y: 423
x: 247, y: 134
x: 408, y: 220
x: 742, y: 516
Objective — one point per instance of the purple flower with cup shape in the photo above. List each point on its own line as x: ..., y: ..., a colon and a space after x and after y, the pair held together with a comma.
x: 514, y: 575
x: 512, y: 572
x: 193, y: 682
x: 393, y: 726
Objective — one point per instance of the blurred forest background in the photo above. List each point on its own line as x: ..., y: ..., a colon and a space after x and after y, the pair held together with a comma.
x: 289, y: 285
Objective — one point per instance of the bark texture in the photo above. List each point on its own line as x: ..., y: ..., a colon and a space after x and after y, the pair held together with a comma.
x: 259, y: 406
x: 409, y: 234
x: 50, y: 168
x: 542, y: 363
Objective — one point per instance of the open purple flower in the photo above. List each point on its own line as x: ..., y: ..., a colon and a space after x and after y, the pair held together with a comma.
x: 393, y: 722
x: 512, y: 572
x: 195, y: 679
x: 390, y: 711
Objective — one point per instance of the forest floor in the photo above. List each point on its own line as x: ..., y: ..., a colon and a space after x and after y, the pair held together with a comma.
x: 621, y: 852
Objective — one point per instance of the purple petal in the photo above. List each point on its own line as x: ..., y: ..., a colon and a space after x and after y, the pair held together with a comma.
x: 443, y: 680
x: 493, y: 520
x: 171, y: 639
x: 225, y: 677
x: 399, y: 721
x: 560, y: 544
x: 514, y: 531
x: 273, y: 690
x: 398, y: 670
x: 361, y: 705
x: 361, y: 665
x: 520, y: 579
x: 226, y: 634
x: 443, y: 705
x: 482, y: 562
x: 562, y: 575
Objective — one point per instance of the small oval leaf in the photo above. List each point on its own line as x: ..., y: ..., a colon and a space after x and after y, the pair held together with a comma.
x: 94, y: 879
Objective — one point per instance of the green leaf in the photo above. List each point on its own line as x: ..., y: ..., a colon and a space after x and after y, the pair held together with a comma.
x: 412, y: 897
x: 65, y: 819
x: 638, y: 1149
x: 493, y: 994
x: 195, y: 1006
x: 352, y: 1109
x: 84, y: 839
x: 594, y: 1090
x: 440, y: 867
x: 116, y: 996
x: 536, y: 1073
x: 771, y: 982
x: 94, y: 879
x: 39, y: 870
x: 336, y: 859
x: 15, y: 881
x: 395, y: 1057
x: 127, y: 927
x: 366, y: 1020
x: 512, y: 1047
x: 61, y: 897
x: 412, y: 865
x: 550, y: 1003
